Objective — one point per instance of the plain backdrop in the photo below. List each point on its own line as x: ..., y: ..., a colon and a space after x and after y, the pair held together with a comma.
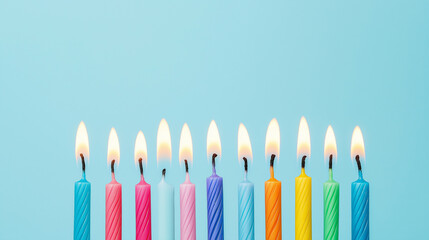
x: 128, y: 64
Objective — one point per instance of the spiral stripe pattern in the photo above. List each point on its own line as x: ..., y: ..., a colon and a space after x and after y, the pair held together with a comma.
x: 303, y: 226
x: 114, y: 211
x: 215, y: 208
x: 143, y: 213
x: 82, y: 205
x: 331, y: 197
x: 246, y: 230
x: 187, y: 212
x: 360, y: 210
x: 273, y: 210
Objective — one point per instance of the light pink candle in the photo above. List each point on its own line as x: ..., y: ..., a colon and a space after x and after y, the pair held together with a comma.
x: 143, y: 213
x: 187, y: 210
x: 113, y: 192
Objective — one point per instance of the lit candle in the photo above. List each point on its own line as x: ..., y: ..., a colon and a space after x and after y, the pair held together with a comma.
x: 273, y: 187
x: 113, y: 192
x: 303, y: 186
x: 246, y: 222
x: 82, y: 188
x: 165, y: 190
x: 143, y: 206
x: 214, y: 187
x: 331, y: 190
x: 360, y: 191
x: 187, y: 189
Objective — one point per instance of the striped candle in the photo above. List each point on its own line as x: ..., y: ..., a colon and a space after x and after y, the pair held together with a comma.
x: 82, y: 206
x: 143, y: 211
x: 246, y: 228
x: 187, y: 210
x: 360, y: 209
x: 215, y: 207
x: 113, y: 210
x: 273, y: 206
x: 331, y: 198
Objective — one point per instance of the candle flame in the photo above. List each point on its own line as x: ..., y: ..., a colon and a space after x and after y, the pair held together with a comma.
x: 140, y: 148
x: 185, y: 145
x: 330, y: 145
x: 82, y: 143
x: 113, y: 148
x: 244, y: 145
x: 303, y: 147
x: 163, y: 142
x: 213, y: 142
x: 272, y: 140
x: 357, y: 146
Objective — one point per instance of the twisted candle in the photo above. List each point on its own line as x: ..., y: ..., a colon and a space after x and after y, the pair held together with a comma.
x: 246, y: 229
x: 113, y: 208
x: 143, y: 208
x: 187, y: 208
x: 82, y: 206
x: 215, y: 205
x: 303, y: 228
x: 360, y: 207
x: 331, y: 197
x: 273, y: 206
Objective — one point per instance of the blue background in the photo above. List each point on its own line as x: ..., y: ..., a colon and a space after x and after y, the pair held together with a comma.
x: 127, y: 64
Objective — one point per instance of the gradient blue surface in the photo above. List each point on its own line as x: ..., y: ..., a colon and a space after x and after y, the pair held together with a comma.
x: 129, y: 64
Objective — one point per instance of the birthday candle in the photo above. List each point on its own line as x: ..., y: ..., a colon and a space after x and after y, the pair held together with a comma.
x: 165, y: 190
x: 246, y: 222
x: 113, y: 192
x: 187, y: 189
x: 142, y: 192
x: 331, y: 190
x: 273, y: 187
x: 360, y: 191
x: 214, y: 188
x: 303, y: 226
x: 82, y: 189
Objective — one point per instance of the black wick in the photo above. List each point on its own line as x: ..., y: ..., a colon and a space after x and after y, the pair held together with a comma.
x: 272, y: 160
x: 141, y: 166
x: 83, y: 162
x: 358, y: 163
x: 213, y: 160
x: 112, y: 166
x: 186, y: 166
x: 303, y: 161
x: 163, y: 172
x: 245, y: 164
x: 330, y: 161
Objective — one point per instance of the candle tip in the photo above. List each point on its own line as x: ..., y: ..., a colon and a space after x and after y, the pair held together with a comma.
x: 330, y: 161
x: 273, y: 157
x: 245, y: 164
x: 186, y: 166
x: 163, y: 172
x: 112, y: 166
x: 83, y: 162
x: 141, y: 166
x: 358, y: 163
x: 303, y: 161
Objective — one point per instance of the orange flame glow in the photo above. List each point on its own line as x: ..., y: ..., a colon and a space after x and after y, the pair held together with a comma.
x: 163, y: 142
x: 303, y: 147
x: 357, y: 146
x: 113, y: 148
x: 330, y: 145
x: 213, y: 142
x: 244, y: 145
x: 140, y: 148
x: 272, y: 140
x: 185, y: 145
x: 82, y: 143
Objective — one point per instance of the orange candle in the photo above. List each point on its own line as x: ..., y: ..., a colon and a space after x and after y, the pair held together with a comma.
x: 273, y: 187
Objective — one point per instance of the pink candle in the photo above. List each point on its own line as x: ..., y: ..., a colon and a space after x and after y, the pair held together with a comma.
x: 143, y: 212
x: 113, y: 192
x: 187, y: 189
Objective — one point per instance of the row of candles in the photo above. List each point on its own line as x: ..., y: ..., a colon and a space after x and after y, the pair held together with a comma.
x: 215, y: 227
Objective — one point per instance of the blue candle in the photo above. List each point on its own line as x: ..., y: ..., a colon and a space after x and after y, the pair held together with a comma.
x: 82, y: 189
x: 215, y: 205
x: 165, y: 210
x: 246, y: 229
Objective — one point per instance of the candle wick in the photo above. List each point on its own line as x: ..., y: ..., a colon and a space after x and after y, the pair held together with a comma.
x: 83, y: 162
x: 273, y: 156
x: 163, y: 173
x: 358, y: 163
x: 303, y: 161
x: 112, y: 166
x: 186, y: 166
x: 330, y: 161
x: 245, y: 164
x: 214, y: 162
x: 141, y: 166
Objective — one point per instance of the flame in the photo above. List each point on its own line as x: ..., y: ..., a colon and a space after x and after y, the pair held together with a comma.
x: 303, y: 148
x: 244, y: 145
x: 163, y: 142
x: 213, y: 142
x: 330, y: 144
x: 82, y: 143
x: 113, y: 147
x: 140, y: 148
x: 358, y: 147
x: 272, y: 140
x: 185, y: 145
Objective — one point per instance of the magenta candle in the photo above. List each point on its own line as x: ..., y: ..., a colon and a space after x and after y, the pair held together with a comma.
x: 113, y: 192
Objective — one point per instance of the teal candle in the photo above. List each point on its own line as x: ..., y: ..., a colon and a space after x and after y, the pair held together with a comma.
x: 246, y: 228
x: 165, y: 210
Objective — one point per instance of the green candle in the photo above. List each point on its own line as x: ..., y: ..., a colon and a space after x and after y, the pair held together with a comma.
x: 331, y: 191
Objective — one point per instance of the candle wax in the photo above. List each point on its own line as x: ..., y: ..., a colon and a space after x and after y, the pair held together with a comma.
x: 273, y: 208
x: 331, y: 200
x: 246, y: 222
x: 215, y: 207
x: 165, y: 211
x: 143, y: 211
x: 303, y: 228
x: 113, y: 210
x: 360, y: 209
x: 187, y: 210
x: 82, y: 206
